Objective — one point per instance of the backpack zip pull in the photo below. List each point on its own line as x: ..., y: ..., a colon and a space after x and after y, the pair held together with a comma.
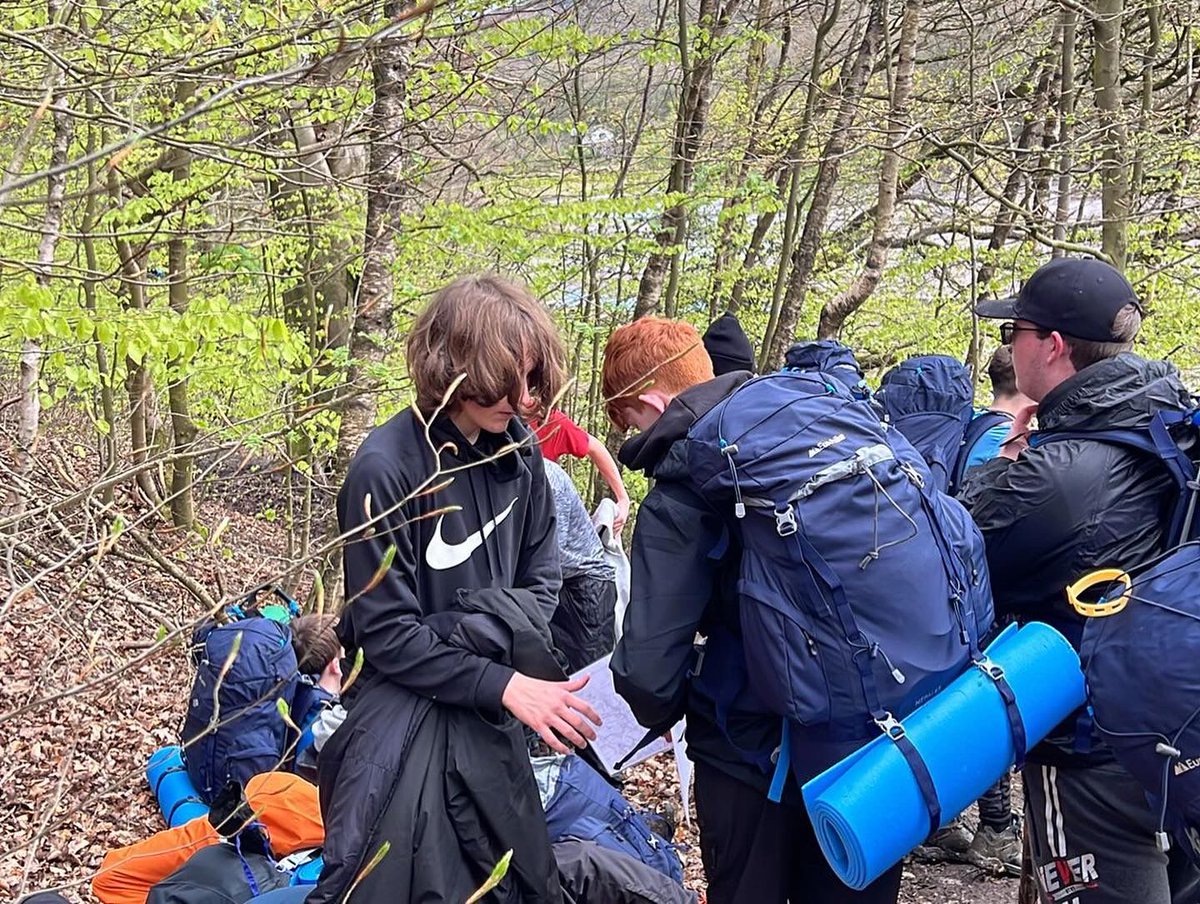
x: 812, y: 644
x: 729, y: 450
x: 897, y: 675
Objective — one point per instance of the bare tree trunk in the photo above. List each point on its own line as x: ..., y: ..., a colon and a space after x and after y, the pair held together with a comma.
x: 183, y: 428
x: 787, y: 181
x: 108, y: 434
x: 1114, y: 177
x: 385, y: 202
x: 835, y: 312
x: 697, y: 64
x: 1153, y: 15
x: 1066, y: 113
x: 853, y: 80
x: 137, y: 376
x: 29, y: 404
x: 755, y: 65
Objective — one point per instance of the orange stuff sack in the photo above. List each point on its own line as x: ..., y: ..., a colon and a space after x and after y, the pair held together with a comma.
x: 285, y: 804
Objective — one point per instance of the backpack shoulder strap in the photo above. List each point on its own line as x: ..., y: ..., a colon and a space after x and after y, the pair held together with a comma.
x: 976, y: 430
x: 1155, y: 440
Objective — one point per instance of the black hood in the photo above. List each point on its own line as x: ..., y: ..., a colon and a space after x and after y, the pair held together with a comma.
x: 502, y: 468
x: 1120, y: 392
x: 648, y: 450
x: 727, y: 346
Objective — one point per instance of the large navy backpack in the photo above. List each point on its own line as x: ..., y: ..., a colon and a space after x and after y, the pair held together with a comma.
x: 931, y: 400
x: 585, y: 806
x: 828, y: 356
x: 1142, y: 664
x: 863, y: 590
x: 233, y: 729
x: 1146, y: 645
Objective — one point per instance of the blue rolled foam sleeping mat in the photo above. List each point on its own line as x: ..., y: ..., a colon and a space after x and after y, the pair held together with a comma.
x: 168, y: 778
x: 867, y: 810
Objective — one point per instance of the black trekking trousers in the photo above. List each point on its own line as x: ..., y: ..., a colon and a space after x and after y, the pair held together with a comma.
x: 759, y: 852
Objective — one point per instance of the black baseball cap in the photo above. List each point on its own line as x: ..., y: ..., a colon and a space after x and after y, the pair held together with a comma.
x: 1077, y: 296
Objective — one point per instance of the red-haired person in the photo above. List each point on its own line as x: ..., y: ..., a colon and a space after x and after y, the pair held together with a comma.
x: 658, y: 378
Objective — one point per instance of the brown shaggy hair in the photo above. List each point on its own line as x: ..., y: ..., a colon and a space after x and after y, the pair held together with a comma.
x: 667, y: 355
x: 315, y: 642
x: 1000, y: 372
x: 491, y: 330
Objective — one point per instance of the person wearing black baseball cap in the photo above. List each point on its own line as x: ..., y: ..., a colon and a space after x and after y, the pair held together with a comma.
x: 1050, y: 514
x: 1080, y: 310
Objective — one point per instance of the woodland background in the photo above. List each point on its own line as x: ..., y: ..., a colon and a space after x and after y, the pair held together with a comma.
x: 217, y: 220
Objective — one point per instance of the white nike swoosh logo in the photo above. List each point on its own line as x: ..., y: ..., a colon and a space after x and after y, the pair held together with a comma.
x: 443, y: 556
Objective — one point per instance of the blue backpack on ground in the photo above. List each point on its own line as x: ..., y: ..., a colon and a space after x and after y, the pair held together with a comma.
x: 233, y: 729
x: 863, y: 590
x: 828, y: 356
x: 931, y: 400
x: 585, y: 806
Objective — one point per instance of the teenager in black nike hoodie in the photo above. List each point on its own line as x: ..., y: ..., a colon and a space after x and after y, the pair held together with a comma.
x: 456, y: 487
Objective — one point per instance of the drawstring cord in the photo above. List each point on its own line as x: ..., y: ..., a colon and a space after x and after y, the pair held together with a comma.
x: 880, y: 489
x: 730, y: 450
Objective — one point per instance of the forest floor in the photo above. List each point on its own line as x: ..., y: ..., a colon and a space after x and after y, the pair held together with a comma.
x: 86, y: 698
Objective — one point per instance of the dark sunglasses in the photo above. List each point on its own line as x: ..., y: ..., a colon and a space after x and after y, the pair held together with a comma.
x: 1009, y: 330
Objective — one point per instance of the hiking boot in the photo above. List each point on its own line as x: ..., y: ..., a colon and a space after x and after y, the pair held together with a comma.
x: 997, y: 852
x: 664, y: 822
x: 950, y: 843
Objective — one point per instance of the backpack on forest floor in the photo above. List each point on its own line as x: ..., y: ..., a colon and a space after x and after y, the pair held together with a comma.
x: 233, y: 728
x: 863, y: 590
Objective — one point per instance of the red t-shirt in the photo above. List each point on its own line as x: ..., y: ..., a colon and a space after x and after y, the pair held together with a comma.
x: 561, y: 436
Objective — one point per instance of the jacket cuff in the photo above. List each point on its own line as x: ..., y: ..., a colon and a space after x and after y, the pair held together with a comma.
x: 490, y: 689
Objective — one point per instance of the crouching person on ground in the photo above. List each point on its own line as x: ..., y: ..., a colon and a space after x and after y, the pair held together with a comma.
x: 316, y: 709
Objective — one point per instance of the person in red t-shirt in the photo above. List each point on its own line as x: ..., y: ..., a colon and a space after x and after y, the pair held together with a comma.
x: 559, y: 436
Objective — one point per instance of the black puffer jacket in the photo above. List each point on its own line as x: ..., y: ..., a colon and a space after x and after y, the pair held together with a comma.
x: 446, y: 788
x: 1067, y: 508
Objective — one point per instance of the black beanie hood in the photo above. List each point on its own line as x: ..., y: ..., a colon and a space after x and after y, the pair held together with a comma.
x: 727, y: 345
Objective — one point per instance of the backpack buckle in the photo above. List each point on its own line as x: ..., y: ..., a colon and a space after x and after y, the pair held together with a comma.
x: 913, y: 475
x: 890, y: 726
x: 785, y: 522
x: 992, y: 669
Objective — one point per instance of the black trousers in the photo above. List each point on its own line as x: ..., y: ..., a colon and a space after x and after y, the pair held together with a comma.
x: 759, y: 852
x: 1091, y: 834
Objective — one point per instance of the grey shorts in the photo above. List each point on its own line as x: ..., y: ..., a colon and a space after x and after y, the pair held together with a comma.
x: 1092, y: 836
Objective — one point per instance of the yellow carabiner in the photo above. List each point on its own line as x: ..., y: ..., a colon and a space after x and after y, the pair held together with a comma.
x: 1106, y: 606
